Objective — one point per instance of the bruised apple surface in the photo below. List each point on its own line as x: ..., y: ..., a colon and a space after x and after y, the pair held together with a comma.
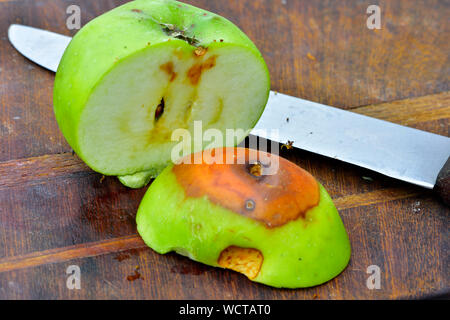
x: 282, y: 230
x: 133, y: 75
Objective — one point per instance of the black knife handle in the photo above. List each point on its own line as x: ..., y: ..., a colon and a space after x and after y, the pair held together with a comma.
x: 442, y: 186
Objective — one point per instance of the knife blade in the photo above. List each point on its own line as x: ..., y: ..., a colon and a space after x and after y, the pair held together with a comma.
x: 400, y: 152
x: 43, y: 47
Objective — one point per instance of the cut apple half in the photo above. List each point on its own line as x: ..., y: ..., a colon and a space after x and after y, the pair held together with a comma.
x: 167, y: 66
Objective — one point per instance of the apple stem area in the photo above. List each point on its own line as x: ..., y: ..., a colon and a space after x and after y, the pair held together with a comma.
x: 175, y: 32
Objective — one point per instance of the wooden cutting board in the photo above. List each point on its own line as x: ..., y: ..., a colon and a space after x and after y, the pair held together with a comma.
x: 56, y: 212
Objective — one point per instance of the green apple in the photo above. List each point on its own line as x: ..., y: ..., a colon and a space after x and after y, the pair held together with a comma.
x: 282, y: 230
x: 133, y: 75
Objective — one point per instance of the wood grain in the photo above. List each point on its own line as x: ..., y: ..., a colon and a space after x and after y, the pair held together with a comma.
x: 84, y: 250
x: 411, y: 112
x: 56, y: 212
x: 37, y: 170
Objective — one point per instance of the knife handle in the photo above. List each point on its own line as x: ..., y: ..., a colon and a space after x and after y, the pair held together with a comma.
x: 442, y: 186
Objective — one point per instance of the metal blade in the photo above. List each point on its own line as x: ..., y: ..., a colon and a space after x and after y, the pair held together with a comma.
x: 42, y: 47
x: 397, y: 151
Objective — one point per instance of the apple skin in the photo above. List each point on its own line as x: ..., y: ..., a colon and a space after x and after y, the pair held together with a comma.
x: 122, y: 34
x: 302, y: 252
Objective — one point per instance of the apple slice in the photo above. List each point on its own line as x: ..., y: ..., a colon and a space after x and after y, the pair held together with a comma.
x: 282, y: 230
x: 133, y: 75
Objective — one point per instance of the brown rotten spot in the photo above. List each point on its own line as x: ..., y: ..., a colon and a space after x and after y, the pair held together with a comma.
x: 169, y: 69
x: 256, y: 169
x: 244, y: 260
x: 271, y: 199
x: 200, y: 52
x: 195, y: 72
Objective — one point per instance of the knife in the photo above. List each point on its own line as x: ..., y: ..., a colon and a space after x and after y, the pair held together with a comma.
x: 400, y: 152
